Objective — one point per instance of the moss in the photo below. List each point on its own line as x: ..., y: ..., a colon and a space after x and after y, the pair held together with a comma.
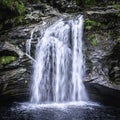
x: 89, y: 24
x: 20, y: 7
x: 118, y: 39
x: 94, y: 42
x: 117, y: 7
x: 7, y: 59
x: 16, y: 6
x: 90, y: 2
x: 92, y: 39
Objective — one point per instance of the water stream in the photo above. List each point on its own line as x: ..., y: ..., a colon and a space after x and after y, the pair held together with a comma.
x: 59, y: 67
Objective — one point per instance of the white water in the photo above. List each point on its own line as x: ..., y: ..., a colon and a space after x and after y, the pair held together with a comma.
x: 28, y: 43
x: 59, y: 67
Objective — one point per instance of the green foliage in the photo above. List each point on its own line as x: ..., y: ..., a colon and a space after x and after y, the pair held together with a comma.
x: 94, y: 42
x: 14, y: 5
x: 117, y: 7
x: 7, y: 59
x: 20, y: 7
x: 89, y: 24
x: 92, y: 39
x: 118, y: 39
x: 88, y: 27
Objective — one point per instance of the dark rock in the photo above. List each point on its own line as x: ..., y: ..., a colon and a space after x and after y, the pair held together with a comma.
x: 10, y: 47
x: 103, y: 95
x: 14, y: 76
x: 114, y: 64
x: 101, y: 47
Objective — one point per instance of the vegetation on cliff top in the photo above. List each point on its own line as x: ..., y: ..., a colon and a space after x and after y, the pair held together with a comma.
x: 14, y: 5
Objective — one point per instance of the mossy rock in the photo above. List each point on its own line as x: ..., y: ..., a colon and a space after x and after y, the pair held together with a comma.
x: 7, y: 59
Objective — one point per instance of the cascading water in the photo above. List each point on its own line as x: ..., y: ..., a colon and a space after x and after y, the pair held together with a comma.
x: 59, y: 66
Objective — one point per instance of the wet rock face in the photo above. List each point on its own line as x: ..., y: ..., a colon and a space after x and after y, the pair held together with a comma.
x: 63, y: 5
x: 102, y: 47
x: 114, y: 64
x: 15, y: 66
x: 103, y: 95
x: 14, y: 75
x: 96, y: 61
x: 15, y: 63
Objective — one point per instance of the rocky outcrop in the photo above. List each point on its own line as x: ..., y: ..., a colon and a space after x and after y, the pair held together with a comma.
x: 102, y: 47
x: 103, y: 95
x: 14, y: 75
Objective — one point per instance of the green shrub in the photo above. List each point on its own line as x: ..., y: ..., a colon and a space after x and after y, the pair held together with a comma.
x: 117, y: 7
x: 94, y: 42
x: 13, y: 5
x: 118, y: 39
x: 89, y: 24
x: 92, y: 39
x: 20, y: 7
x: 7, y: 59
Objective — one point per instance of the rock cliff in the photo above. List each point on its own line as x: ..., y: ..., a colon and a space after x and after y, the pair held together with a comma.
x: 101, y: 45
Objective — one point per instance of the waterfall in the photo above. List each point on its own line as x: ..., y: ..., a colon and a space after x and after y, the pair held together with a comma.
x: 59, y: 67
